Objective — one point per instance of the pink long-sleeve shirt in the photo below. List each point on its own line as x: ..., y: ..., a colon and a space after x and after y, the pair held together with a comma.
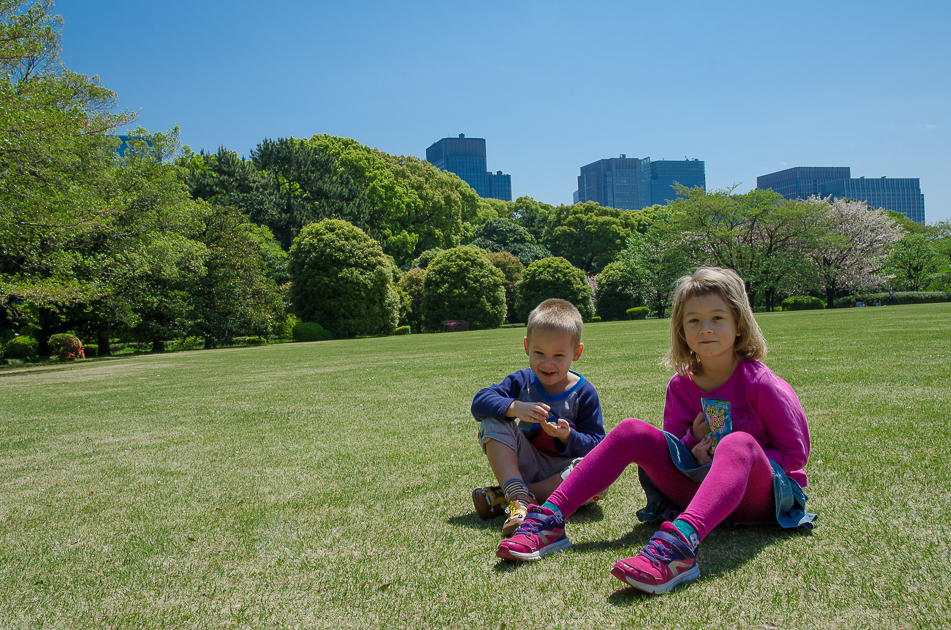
x: 761, y: 404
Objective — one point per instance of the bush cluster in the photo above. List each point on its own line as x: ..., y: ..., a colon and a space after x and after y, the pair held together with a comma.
x: 402, y: 330
x: 803, y: 303
x: 901, y: 297
x: 66, y: 347
x: 617, y: 291
x: 461, y: 284
x: 554, y: 277
x: 638, y: 312
x: 91, y: 350
x: 310, y: 331
x: 454, y: 325
x: 22, y: 347
x: 256, y: 341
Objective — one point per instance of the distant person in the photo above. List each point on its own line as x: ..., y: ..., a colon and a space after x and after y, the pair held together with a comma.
x: 858, y: 299
x: 891, y: 296
x: 756, y: 474
x: 539, y: 422
x: 878, y: 302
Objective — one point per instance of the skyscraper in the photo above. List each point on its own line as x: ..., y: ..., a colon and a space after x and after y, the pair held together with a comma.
x: 897, y: 194
x: 633, y: 183
x: 466, y: 158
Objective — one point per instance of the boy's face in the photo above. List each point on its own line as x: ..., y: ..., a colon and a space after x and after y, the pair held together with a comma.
x: 550, y: 355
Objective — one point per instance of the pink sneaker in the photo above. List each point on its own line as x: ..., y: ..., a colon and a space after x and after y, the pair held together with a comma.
x: 665, y: 562
x: 541, y: 533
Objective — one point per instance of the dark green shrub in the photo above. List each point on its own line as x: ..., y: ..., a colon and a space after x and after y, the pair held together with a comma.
x: 426, y: 257
x: 461, y: 284
x: 618, y: 290
x: 341, y: 279
x: 91, y: 350
x: 66, y: 347
x: 287, y: 331
x: 512, y: 271
x: 190, y: 343
x: 402, y: 330
x: 256, y: 341
x: 21, y: 347
x: 901, y: 297
x: 412, y: 284
x: 638, y: 312
x: 554, y: 278
x: 802, y: 303
x: 310, y: 331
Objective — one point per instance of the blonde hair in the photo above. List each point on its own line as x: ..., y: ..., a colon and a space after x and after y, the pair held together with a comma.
x: 556, y: 315
x: 750, y: 344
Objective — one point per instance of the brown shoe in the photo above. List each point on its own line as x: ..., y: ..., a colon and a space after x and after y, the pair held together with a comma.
x: 489, y: 502
x: 517, y: 511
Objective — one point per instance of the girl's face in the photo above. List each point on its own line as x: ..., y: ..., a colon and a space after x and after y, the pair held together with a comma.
x: 709, y: 327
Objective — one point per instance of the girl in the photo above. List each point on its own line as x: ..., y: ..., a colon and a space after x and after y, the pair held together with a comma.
x: 755, y: 476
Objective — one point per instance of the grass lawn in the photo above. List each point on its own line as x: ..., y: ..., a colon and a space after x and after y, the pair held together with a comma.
x: 326, y: 485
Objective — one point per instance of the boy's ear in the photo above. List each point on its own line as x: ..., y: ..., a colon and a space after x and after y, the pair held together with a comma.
x: 578, y: 352
x: 525, y: 341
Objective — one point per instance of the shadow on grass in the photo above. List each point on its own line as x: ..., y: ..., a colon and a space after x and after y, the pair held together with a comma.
x: 587, y: 514
x: 723, y: 551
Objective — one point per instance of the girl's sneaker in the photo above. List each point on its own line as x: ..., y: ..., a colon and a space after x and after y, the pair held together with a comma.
x: 541, y: 533
x: 665, y: 562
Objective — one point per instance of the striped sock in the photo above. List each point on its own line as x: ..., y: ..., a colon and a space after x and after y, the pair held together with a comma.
x: 513, y: 487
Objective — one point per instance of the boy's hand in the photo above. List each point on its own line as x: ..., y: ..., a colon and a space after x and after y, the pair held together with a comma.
x: 700, y: 427
x: 530, y: 412
x: 561, y: 430
x: 702, y: 451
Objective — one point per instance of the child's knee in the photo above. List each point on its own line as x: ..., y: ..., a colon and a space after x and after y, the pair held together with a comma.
x: 739, y: 445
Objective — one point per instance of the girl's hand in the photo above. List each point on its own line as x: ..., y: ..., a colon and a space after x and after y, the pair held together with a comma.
x: 702, y: 451
x: 561, y: 430
x: 700, y: 427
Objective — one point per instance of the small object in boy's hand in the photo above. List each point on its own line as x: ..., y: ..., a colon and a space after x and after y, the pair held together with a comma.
x: 717, y: 414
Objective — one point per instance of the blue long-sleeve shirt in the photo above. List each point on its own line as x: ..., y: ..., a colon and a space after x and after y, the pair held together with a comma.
x: 579, y: 406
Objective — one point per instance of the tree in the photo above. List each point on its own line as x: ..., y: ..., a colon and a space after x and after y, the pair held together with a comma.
x: 412, y: 206
x: 913, y: 261
x: 658, y: 258
x: 54, y: 143
x: 590, y: 236
x: 760, y: 235
x: 619, y: 288
x: 503, y: 235
x: 412, y: 284
x: 238, y: 293
x: 554, y: 277
x: 461, y: 283
x: 307, y: 187
x: 531, y: 215
x: 342, y: 280
x: 850, y: 252
x: 512, y: 270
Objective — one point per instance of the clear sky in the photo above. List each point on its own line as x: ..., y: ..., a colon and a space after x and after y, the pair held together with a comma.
x: 748, y: 87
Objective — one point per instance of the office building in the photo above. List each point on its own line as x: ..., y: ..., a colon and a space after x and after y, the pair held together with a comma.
x: 897, y: 194
x: 634, y: 183
x: 466, y: 158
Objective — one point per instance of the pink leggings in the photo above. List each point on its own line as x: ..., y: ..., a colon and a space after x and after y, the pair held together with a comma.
x: 739, y: 485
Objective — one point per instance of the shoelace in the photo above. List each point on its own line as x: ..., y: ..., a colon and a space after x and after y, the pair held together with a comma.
x: 658, y: 551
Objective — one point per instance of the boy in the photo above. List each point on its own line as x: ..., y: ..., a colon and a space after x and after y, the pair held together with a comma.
x: 557, y: 411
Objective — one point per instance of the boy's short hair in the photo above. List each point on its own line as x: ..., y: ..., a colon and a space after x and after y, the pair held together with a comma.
x: 750, y: 344
x: 556, y: 315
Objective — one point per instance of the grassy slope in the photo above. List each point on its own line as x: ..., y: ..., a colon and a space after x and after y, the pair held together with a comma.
x: 327, y: 485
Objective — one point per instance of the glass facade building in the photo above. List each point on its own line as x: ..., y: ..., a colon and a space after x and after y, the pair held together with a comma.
x: 897, y: 194
x: 466, y: 158
x: 633, y: 183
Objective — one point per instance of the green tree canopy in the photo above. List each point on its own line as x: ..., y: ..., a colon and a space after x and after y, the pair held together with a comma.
x: 512, y: 271
x: 461, y: 283
x: 503, y: 235
x: 620, y: 287
x: 554, y: 277
x: 342, y: 280
x: 590, y: 236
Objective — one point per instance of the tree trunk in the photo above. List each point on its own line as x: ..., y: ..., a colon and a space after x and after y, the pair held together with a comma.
x: 830, y: 296
x: 103, y: 341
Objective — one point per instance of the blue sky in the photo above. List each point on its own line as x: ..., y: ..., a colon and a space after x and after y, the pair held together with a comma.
x: 748, y: 87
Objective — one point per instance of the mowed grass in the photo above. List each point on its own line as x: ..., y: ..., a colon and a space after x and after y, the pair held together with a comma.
x: 327, y: 485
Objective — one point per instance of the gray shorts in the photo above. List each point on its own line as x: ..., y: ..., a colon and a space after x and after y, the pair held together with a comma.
x: 533, y: 465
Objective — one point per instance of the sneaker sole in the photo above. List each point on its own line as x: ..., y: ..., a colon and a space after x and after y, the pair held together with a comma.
x: 558, y: 545
x: 656, y: 589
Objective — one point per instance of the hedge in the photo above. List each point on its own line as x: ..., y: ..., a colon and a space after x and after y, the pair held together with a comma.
x: 803, y: 303
x: 638, y: 312
x: 310, y: 331
x: 902, y: 297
